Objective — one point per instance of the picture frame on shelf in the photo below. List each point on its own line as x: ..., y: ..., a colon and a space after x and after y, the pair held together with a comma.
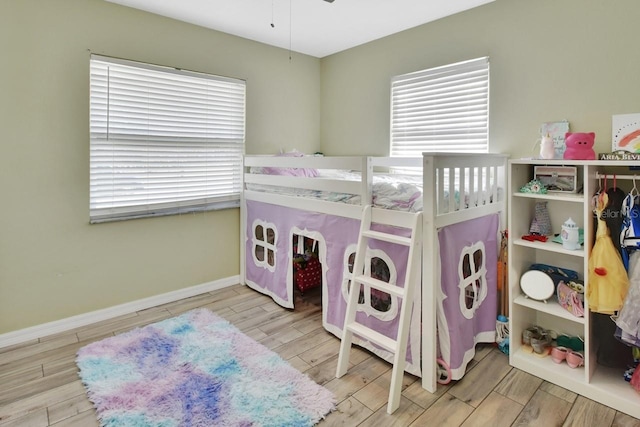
x: 625, y: 133
x: 556, y: 130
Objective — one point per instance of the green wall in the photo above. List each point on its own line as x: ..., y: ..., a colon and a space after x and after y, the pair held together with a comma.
x: 53, y: 264
x: 550, y: 60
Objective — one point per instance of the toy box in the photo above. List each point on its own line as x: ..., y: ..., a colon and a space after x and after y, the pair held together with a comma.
x: 560, y: 179
x: 308, y: 276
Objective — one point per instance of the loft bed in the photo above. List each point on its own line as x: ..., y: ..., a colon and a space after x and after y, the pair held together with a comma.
x: 307, y: 209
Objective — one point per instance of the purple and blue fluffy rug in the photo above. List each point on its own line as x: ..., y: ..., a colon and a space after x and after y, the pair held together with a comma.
x: 196, y: 370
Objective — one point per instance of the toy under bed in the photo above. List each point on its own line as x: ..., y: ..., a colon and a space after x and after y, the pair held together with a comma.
x: 468, y: 223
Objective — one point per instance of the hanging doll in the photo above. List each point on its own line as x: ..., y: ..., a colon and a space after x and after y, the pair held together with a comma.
x: 608, y: 280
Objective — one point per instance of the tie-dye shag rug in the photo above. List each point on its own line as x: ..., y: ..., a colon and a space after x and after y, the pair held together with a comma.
x: 196, y: 370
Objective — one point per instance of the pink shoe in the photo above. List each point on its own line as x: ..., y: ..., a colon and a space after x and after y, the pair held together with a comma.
x: 575, y: 359
x: 558, y: 354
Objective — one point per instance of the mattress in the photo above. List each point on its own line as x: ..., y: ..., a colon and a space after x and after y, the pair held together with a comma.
x: 390, y: 191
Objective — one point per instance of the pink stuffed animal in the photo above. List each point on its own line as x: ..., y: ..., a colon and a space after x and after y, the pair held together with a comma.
x: 579, y: 146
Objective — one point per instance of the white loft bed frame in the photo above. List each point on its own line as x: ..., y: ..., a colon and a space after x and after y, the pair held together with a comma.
x: 439, y: 211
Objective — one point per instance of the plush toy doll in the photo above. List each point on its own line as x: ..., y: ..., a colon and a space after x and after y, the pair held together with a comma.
x: 579, y: 146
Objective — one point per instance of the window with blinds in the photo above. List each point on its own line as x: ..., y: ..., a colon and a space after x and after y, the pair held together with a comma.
x: 443, y: 109
x: 163, y: 141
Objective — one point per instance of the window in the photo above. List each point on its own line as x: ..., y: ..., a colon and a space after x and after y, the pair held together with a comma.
x: 264, y: 244
x: 472, y: 272
x: 443, y: 109
x: 163, y: 140
x: 372, y: 301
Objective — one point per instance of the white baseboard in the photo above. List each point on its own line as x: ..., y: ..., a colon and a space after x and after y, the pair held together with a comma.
x: 62, y: 325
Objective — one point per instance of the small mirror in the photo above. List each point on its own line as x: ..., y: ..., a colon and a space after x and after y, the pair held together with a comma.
x: 537, y: 285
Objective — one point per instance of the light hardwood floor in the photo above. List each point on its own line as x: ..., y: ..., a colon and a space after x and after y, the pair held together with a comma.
x: 39, y: 385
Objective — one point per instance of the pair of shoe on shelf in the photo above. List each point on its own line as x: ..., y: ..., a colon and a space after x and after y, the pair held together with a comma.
x: 573, y: 358
x: 538, y: 338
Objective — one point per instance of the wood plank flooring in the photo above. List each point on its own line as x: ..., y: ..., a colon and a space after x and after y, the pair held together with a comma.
x: 39, y: 385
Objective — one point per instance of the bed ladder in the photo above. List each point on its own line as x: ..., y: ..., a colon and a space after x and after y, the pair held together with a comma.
x: 397, y: 346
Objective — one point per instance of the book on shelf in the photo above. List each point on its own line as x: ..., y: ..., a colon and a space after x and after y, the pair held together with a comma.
x: 619, y: 155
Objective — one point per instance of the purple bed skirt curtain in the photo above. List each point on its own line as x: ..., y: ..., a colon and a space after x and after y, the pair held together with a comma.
x: 467, y: 304
x: 337, y: 238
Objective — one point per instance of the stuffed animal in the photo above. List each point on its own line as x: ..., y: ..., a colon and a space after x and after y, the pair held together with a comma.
x: 547, y: 150
x: 579, y: 146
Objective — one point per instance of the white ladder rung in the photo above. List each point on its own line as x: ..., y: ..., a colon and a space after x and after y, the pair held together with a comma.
x: 394, y: 290
x: 392, y: 238
x: 374, y: 336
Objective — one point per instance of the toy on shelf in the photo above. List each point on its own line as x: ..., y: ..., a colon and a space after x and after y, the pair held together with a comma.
x: 570, y: 235
x: 547, y: 149
x: 580, y: 146
x: 541, y: 223
x: 535, y: 186
x: 535, y: 238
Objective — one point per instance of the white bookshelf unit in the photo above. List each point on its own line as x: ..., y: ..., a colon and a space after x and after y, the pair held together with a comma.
x: 596, y: 382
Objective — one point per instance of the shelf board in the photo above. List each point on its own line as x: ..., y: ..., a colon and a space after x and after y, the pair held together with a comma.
x: 527, y: 161
x: 563, y: 197
x: 549, y: 246
x: 606, y: 385
x: 545, y: 368
x: 550, y: 307
x: 616, y: 392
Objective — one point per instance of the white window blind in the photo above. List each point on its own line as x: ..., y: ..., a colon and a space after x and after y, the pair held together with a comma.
x: 443, y: 109
x: 163, y: 141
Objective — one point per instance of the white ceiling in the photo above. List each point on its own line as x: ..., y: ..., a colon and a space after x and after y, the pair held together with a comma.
x: 316, y: 27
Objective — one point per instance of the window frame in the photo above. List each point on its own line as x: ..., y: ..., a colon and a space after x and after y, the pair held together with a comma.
x: 269, y: 249
x: 477, y: 278
x: 347, y: 274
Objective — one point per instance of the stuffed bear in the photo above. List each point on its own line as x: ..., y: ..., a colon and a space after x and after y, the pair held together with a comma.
x: 579, y: 146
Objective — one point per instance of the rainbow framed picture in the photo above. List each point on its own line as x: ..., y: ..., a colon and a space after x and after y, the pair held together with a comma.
x: 625, y: 132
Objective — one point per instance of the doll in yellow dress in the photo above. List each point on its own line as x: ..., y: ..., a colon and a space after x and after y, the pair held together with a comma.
x: 608, y: 280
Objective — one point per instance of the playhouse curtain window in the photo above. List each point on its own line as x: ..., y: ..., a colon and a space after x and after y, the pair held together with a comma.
x: 443, y: 109
x: 163, y: 141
